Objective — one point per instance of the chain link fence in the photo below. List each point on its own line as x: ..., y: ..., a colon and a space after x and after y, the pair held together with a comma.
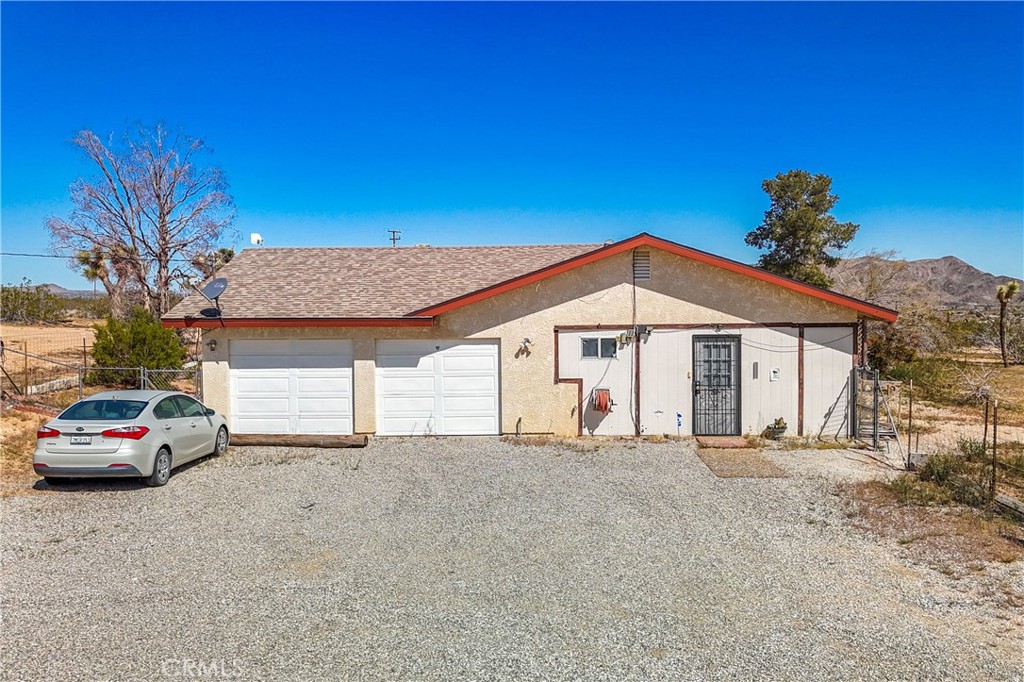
x: 32, y: 379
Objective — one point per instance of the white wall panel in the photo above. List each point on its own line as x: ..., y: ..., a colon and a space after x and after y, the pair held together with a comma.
x: 828, y: 361
x: 615, y: 374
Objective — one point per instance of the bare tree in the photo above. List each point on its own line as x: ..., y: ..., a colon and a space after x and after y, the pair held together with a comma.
x: 150, y: 205
x: 880, y: 277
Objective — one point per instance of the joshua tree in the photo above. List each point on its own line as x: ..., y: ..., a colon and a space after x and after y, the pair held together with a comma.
x: 1004, y: 292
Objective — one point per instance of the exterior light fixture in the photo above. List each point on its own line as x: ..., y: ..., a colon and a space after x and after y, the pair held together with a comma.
x: 212, y: 344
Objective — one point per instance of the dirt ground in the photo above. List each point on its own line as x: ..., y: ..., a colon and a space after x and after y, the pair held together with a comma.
x: 57, y: 341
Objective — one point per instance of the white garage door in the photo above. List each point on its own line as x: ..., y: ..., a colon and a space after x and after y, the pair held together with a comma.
x: 437, y: 387
x: 291, y: 386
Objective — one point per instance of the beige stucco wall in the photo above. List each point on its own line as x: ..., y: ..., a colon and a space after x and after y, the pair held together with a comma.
x: 681, y: 291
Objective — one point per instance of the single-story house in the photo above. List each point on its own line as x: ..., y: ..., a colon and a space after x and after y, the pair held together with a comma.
x: 638, y: 337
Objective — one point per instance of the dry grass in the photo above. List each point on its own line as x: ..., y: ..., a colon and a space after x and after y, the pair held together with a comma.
x: 921, y: 521
x: 812, y: 443
x: 18, y: 434
x: 590, y: 443
x: 577, y: 444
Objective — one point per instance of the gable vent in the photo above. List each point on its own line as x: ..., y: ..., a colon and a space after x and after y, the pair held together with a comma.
x: 641, y: 264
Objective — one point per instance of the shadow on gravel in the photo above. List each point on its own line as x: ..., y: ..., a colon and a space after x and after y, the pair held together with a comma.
x: 91, y: 485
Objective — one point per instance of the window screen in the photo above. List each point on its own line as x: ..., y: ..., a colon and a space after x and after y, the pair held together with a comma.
x: 608, y: 348
x: 590, y: 348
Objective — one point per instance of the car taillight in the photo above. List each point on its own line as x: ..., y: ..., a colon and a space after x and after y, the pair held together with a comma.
x: 47, y: 432
x: 117, y: 466
x: 131, y: 432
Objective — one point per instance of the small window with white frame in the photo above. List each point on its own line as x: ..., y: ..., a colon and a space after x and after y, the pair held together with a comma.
x: 594, y: 348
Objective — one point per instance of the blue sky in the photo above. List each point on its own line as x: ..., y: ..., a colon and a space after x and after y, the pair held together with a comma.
x: 532, y: 123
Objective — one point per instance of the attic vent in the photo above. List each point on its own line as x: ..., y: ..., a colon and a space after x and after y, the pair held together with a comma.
x: 641, y: 265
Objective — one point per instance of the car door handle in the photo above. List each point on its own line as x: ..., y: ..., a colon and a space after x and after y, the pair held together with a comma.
x: 192, y: 424
x: 167, y: 427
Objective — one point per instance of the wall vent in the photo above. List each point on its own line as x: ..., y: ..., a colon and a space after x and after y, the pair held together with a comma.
x: 641, y: 264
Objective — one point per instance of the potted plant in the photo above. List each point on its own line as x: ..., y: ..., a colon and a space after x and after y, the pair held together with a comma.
x: 775, y: 429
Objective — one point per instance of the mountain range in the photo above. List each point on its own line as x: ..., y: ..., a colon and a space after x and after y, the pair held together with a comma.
x: 58, y: 290
x: 949, y: 281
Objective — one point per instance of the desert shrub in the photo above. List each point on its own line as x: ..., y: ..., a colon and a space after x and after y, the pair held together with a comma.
x: 27, y: 303
x: 139, y: 341
x: 93, y: 307
x: 966, y: 491
x: 909, y: 489
x: 935, y: 379
x: 971, y: 448
x: 939, y: 468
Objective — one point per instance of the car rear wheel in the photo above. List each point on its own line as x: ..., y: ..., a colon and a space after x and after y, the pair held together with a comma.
x: 220, y: 446
x: 161, y: 469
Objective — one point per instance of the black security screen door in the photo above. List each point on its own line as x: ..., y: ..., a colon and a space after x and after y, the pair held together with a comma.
x: 716, y: 385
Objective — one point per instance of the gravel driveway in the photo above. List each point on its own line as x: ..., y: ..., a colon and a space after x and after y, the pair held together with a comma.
x: 450, y: 559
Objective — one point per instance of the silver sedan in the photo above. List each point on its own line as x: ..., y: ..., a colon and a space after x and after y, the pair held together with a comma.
x: 128, y: 433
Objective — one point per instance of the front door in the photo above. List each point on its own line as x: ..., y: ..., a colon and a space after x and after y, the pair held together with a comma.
x: 716, y: 385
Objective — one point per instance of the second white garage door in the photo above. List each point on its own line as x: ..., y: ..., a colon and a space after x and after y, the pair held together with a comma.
x: 300, y: 386
x: 437, y: 387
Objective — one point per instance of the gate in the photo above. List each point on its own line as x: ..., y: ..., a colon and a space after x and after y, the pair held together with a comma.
x: 716, y: 385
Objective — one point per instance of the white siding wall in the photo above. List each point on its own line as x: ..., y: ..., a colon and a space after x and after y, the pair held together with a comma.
x: 666, y: 380
x: 828, y: 359
x: 615, y: 374
x: 765, y: 400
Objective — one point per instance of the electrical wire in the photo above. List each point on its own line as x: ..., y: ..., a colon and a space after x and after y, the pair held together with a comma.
x: 68, y: 257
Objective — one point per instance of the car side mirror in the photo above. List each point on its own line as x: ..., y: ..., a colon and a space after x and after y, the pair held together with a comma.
x: 210, y: 412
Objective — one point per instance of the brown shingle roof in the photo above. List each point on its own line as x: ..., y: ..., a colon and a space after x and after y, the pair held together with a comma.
x: 366, y: 282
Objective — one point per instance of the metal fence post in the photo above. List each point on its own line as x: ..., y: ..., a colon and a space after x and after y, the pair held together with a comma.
x: 984, y: 431
x: 910, y: 426
x: 874, y: 410
x: 855, y: 392
x: 142, y: 378
x: 995, y: 420
x: 81, y: 382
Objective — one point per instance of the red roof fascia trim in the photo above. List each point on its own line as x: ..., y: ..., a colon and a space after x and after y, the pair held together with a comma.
x: 210, y: 323
x: 645, y: 239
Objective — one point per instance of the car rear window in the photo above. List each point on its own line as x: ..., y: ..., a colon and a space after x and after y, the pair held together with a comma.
x: 88, y: 410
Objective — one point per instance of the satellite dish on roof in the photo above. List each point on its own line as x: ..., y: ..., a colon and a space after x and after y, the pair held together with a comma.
x: 256, y: 238
x: 211, y: 292
x: 214, y: 288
